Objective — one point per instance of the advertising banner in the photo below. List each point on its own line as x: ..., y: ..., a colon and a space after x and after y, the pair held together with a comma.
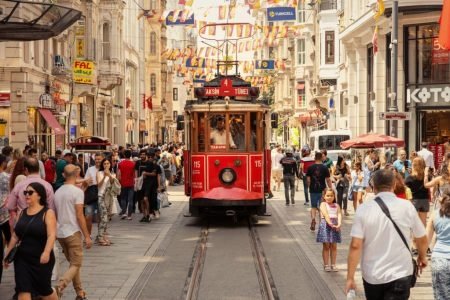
x: 439, y: 55
x: 83, y: 72
x: 5, y: 99
x: 173, y: 20
x: 276, y: 14
x: 265, y: 64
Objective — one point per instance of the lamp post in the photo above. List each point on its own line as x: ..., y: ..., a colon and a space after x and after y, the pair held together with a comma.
x: 393, y: 107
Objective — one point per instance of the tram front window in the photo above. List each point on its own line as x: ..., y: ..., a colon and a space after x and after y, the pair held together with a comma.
x: 218, y: 134
x: 237, y: 129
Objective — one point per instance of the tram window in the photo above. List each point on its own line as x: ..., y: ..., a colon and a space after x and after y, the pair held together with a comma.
x: 201, y: 132
x: 253, y: 132
x: 218, y: 133
x: 237, y: 129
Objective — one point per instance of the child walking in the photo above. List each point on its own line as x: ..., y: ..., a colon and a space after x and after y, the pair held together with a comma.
x: 329, y: 232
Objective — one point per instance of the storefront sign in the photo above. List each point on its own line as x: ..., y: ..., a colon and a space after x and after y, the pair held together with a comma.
x: 438, y: 154
x: 275, y: 14
x: 402, y: 116
x: 83, y: 72
x: 429, y: 95
x: 5, y: 99
x: 439, y: 55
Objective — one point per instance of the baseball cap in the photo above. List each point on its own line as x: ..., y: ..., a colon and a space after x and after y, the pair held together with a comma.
x: 289, y: 150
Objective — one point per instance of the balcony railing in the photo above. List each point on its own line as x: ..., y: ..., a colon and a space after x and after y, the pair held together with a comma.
x: 328, y: 5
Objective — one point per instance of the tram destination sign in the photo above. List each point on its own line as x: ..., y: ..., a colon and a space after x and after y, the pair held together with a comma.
x: 220, y: 92
x: 401, y: 116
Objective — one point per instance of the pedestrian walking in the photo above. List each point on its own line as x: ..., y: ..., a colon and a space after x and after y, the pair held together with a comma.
x: 5, y: 230
x: 416, y: 183
x: 385, y: 223
x: 71, y: 228
x: 439, y: 225
x: 290, y: 172
x: 49, y: 168
x: 91, y: 193
x: 357, y: 185
x: 277, y: 169
x: 139, y: 169
x: 151, y: 187
x: 305, y: 162
x: 125, y: 174
x: 104, y: 177
x: 329, y: 232
x: 33, y: 153
x: 427, y: 156
x: 60, y: 165
x: 342, y: 176
x: 318, y: 178
x: 326, y: 160
x: 36, y: 231
x: 18, y: 173
x: 440, y: 184
x: 16, y: 155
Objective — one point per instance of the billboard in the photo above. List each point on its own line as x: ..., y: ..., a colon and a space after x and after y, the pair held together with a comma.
x: 83, y: 72
x: 276, y: 14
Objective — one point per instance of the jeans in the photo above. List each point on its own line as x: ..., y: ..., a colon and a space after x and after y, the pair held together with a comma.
x: 289, y: 181
x: 72, y: 247
x: 342, y: 197
x: 305, y: 188
x: 127, y: 200
x: 395, y: 290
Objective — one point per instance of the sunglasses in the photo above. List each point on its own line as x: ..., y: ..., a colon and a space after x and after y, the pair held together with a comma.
x: 28, y: 193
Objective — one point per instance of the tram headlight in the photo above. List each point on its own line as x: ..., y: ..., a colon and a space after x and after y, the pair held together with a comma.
x: 227, y: 176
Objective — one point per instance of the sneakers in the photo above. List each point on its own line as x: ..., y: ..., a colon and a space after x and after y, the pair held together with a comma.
x: 147, y: 219
x: 123, y: 217
x: 306, y: 204
x: 287, y: 203
x: 292, y: 202
x: 334, y: 268
x: 157, y: 215
x: 327, y: 268
x: 129, y: 218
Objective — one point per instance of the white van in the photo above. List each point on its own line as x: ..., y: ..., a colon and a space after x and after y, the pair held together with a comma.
x: 331, y: 141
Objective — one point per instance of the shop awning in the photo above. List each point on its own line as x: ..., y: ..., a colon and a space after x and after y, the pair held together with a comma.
x: 51, y: 121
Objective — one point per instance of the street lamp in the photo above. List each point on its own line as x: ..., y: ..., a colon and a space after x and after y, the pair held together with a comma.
x: 393, y: 107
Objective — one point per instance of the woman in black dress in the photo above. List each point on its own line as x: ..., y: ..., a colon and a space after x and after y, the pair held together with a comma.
x: 341, y: 175
x: 34, y: 260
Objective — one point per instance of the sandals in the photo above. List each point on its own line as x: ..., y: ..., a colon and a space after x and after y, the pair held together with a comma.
x: 334, y: 268
x: 327, y: 268
x: 103, y: 242
x: 313, y: 225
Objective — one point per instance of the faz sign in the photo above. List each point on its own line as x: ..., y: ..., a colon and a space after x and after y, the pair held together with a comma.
x: 428, y: 95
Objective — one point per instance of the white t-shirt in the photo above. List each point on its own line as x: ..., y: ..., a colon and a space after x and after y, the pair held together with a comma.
x: 427, y: 157
x: 92, y: 173
x: 276, y: 161
x: 384, y: 256
x: 66, y: 197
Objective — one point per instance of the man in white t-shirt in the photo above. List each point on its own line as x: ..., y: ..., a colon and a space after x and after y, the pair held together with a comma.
x: 277, y: 168
x: 427, y: 155
x: 385, y: 260
x: 69, y: 202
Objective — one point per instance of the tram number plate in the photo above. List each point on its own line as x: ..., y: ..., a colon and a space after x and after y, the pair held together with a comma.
x: 236, y: 91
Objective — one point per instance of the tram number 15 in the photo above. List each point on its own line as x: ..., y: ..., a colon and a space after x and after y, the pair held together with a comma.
x: 196, y: 164
x: 258, y: 163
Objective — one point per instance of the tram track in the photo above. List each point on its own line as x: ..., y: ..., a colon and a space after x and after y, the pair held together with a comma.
x: 265, y: 279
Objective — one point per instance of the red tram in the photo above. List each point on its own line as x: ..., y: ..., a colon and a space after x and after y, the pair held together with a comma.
x: 227, y: 159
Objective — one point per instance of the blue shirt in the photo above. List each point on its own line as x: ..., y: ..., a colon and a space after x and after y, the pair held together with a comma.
x: 442, y: 229
x: 399, y: 164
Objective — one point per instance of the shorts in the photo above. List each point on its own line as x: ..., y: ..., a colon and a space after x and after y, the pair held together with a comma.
x: 277, y: 174
x: 315, y: 199
x: 90, y: 209
x: 421, y: 205
x: 358, y: 188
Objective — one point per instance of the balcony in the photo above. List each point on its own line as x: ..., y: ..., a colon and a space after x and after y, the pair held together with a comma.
x: 60, y: 67
x: 110, y: 74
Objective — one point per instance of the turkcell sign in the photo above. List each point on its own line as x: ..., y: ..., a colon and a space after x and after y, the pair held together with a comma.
x: 170, y: 20
x: 275, y: 14
x: 428, y: 95
x: 265, y: 64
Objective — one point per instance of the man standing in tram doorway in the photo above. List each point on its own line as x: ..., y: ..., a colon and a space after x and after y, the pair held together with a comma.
x: 290, y: 170
x: 218, y: 135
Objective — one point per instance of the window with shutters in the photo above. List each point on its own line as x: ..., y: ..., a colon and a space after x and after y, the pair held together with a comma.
x: 153, y: 43
x: 106, y: 41
x: 153, y: 83
x: 301, y: 56
x: 329, y: 47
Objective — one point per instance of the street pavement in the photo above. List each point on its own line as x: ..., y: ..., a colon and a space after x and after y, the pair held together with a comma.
x: 122, y: 270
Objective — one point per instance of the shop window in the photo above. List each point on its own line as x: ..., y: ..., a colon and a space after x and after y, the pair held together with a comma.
x: 428, y: 62
x: 329, y: 47
x: 153, y: 43
x: 106, y: 41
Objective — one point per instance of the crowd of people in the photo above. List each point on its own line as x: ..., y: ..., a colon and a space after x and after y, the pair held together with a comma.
x: 60, y: 197
x: 408, y: 194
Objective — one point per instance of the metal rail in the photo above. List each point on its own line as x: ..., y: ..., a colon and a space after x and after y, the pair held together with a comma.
x: 266, y: 282
x: 192, y: 284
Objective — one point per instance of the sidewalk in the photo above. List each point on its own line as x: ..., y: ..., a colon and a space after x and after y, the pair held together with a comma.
x: 111, y: 272
x: 297, y: 219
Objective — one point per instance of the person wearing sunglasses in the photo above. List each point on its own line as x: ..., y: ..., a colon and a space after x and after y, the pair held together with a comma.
x: 34, y: 259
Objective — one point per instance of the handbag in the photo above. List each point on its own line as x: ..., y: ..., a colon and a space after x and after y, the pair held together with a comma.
x: 385, y: 210
x: 138, y: 182
x: 12, y: 254
x: 91, y: 194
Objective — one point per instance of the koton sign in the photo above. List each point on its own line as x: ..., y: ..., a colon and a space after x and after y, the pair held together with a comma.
x: 429, y: 95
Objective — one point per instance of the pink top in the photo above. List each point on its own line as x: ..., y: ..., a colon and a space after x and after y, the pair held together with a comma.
x: 16, y: 200
x: 332, y: 210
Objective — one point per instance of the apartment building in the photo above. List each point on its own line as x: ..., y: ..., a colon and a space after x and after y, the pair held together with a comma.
x: 423, y: 71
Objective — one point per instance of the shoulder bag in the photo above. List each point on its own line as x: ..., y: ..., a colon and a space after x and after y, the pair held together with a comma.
x: 385, y: 210
x: 12, y: 254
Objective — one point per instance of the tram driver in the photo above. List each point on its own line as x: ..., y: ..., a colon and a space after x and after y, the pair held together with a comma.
x: 218, y: 135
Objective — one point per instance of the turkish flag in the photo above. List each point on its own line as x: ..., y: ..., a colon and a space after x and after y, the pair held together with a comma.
x: 149, y: 103
x: 444, y: 30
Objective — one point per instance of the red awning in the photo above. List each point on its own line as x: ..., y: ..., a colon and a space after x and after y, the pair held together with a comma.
x: 51, y: 121
x: 300, y: 85
x: 372, y: 140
